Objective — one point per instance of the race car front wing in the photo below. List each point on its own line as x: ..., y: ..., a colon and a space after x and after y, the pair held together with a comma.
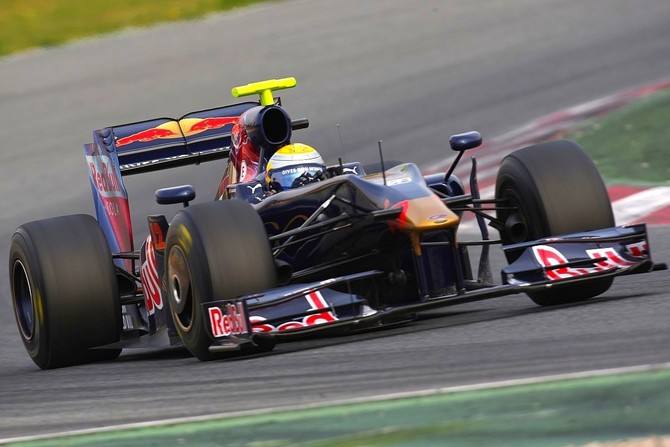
x: 546, y: 263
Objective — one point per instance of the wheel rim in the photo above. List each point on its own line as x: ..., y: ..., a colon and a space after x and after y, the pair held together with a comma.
x: 23, y: 300
x: 180, y: 290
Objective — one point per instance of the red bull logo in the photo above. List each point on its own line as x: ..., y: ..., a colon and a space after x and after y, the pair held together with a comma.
x: 104, y: 177
x: 173, y: 129
x: 192, y: 126
x: 554, y: 260
x: 232, y: 322
x: 152, y: 134
x: 315, y: 300
x: 639, y: 249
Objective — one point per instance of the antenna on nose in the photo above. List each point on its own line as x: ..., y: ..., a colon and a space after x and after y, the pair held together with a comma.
x: 339, y: 134
x: 381, y: 160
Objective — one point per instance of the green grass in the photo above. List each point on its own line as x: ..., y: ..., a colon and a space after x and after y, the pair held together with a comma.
x: 26, y: 24
x: 631, y: 145
x: 552, y: 414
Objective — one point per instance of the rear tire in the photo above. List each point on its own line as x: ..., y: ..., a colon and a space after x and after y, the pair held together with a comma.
x: 557, y: 190
x: 215, y: 251
x: 64, y: 291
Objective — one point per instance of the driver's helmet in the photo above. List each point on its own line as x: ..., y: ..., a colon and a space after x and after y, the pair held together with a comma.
x: 294, y: 165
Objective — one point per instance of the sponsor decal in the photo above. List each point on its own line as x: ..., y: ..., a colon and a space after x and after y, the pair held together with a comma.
x: 103, y: 176
x: 174, y: 129
x: 301, y: 170
x: 111, y: 200
x: 608, y: 259
x: 254, y: 187
x: 152, y: 162
x: 639, y: 249
x: 228, y: 321
x: 243, y: 170
x: 150, y: 281
x: 611, y: 260
x: 166, y: 130
x: 315, y: 300
x: 439, y: 218
x: 192, y: 126
x: 398, y: 181
x: 238, y: 136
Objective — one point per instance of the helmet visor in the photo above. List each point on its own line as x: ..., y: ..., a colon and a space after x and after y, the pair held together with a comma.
x: 294, y: 176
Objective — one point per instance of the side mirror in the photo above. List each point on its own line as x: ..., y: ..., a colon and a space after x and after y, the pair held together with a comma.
x: 464, y: 141
x: 176, y: 194
x: 460, y: 143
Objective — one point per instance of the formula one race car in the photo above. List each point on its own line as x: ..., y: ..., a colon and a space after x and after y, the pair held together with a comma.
x: 335, y: 249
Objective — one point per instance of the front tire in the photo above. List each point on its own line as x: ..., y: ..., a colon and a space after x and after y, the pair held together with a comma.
x: 64, y: 291
x: 556, y: 189
x: 215, y: 251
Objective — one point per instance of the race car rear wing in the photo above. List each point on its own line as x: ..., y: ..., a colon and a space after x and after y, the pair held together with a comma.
x: 163, y: 143
x: 199, y: 136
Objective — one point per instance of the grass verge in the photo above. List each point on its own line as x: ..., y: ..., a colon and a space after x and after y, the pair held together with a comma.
x: 44, y: 23
x: 631, y: 145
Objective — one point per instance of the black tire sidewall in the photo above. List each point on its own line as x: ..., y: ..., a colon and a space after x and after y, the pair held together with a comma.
x: 515, y: 185
x: 36, y: 343
x: 194, y: 334
x: 228, y: 255
x: 75, y: 300
x: 560, y: 187
x: 558, y: 190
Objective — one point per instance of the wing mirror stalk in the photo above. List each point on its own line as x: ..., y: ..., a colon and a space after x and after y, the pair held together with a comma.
x: 462, y: 142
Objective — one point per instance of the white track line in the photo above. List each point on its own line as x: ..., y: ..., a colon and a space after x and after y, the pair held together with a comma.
x: 358, y: 400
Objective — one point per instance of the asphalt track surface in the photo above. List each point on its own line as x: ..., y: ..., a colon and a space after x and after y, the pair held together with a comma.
x: 409, y: 73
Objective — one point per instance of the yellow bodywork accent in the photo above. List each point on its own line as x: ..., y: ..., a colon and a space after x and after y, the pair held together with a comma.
x: 264, y: 89
x: 415, y: 239
x: 425, y: 214
x: 172, y: 126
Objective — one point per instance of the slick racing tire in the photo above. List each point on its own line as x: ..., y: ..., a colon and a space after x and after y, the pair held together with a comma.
x: 215, y: 251
x: 556, y: 189
x: 64, y: 291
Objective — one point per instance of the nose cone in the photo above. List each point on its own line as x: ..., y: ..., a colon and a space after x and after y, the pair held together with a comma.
x: 425, y: 214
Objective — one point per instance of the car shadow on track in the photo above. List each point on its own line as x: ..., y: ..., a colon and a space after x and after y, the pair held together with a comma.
x: 422, y: 322
x: 436, y: 319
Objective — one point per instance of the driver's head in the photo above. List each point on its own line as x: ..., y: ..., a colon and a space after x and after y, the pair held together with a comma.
x: 294, y: 165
